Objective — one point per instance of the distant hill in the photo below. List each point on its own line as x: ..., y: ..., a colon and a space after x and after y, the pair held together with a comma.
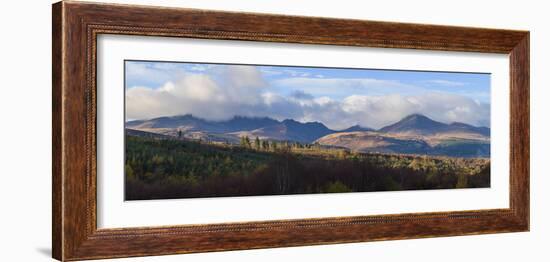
x: 356, y: 128
x: 289, y: 130
x: 455, y: 126
x: 417, y: 134
x: 374, y: 142
x: 191, y: 123
x: 133, y: 132
x: 306, y: 132
x: 414, y: 134
x: 264, y: 127
x: 417, y: 124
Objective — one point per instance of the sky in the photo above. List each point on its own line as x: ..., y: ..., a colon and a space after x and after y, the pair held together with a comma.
x: 336, y: 97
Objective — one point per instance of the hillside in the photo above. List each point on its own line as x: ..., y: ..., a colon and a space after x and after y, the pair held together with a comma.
x: 417, y: 134
x: 417, y: 124
x: 356, y: 128
x: 414, y: 134
x: 374, y: 142
x: 230, y: 130
x: 162, y: 168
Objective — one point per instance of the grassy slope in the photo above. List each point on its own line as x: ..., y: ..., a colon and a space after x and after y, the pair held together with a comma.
x: 452, y: 144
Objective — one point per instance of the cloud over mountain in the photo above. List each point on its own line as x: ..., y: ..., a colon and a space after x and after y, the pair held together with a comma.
x: 222, y: 92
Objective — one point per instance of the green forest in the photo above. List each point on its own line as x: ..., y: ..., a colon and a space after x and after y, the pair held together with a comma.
x: 160, y: 168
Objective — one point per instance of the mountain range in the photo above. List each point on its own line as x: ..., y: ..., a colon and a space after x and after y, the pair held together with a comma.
x: 414, y: 134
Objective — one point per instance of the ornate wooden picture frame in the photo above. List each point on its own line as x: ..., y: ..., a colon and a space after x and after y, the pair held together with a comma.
x: 76, y: 26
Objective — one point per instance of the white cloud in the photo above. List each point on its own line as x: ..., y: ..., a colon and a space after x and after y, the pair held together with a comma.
x: 336, y: 86
x: 232, y: 91
x: 240, y: 90
x: 378, y: 111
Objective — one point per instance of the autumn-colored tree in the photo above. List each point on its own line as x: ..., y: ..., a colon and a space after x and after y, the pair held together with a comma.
x: 160, y: 168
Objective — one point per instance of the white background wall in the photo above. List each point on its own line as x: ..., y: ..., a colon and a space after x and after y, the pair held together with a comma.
x: 25, y: 147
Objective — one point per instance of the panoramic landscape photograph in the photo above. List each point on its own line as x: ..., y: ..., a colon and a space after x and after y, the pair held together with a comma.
x: 197, y: 130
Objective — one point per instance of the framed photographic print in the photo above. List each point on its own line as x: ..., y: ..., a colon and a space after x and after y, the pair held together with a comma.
x: 181, y: 130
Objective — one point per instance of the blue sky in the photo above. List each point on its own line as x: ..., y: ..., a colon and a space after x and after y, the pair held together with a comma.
x: 337, y: 97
